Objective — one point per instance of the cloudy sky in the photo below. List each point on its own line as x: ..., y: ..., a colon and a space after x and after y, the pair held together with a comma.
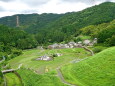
x: 11, y: 7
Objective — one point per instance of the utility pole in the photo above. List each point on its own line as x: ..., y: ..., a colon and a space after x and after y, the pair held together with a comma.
x: 17, y: 21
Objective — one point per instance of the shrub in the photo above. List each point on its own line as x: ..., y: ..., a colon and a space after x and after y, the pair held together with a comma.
x: 111, y: 41
x: 98, y: 49
x: 17, y: 52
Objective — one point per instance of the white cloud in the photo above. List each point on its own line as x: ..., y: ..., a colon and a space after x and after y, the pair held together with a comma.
x: 56, y: 6
x: 10, y: 7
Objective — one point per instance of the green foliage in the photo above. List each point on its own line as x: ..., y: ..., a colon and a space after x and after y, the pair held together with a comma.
x: 1, y: 76
x: 51, y: 28
x: 12, y: 40
x: 25, y: 20
x: 28, y: 58
x: 70, y: 23
x: 13, y: 37
x: 30, y: 78
x: 104, y: 32
x: 93, y: 30
x: 98, y: 70
x: 111, y: 41
x: 81, y: 38
x: 98, y: 49
x: 43, y: 21
x: 107, y: 34
x: 12, y: 79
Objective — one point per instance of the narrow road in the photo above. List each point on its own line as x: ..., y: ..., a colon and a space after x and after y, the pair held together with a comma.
x: 2, y: 59
x: 92, y: 53
x: 11, y: 70
x: 62, y: 78
x: 60, y: 75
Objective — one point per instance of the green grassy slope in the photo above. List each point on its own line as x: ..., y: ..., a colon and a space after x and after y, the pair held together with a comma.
x: 30, y: 78
x: 12, y: 79
x: 1, y: 81
x: 98, y: 70
x: 27, y: 59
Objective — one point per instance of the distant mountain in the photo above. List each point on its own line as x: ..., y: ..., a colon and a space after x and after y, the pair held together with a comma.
x: 26, y: 20
x: 95, y: 15
x: 43, y: 21
x: 72, y: 22
x: 61, y: 27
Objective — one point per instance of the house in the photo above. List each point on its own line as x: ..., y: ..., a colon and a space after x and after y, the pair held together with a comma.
x: 45, y: 58
x: 86, y: 42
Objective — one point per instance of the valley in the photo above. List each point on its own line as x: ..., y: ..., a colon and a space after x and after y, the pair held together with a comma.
x: 70, y: 49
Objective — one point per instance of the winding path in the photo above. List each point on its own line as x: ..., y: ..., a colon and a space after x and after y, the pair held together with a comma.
x: 92, y: 53
x: 60, y: 75
x: 2, y: 59
x: 62, y: 78
x: 11, y: 70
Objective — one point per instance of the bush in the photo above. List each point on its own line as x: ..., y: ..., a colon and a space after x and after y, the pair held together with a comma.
x: 17, y: 52
x: 98, y: 49
x: 81, y: 38
x: 111, y: 41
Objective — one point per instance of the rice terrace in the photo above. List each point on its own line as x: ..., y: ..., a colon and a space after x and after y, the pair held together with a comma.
x: 60, y: 48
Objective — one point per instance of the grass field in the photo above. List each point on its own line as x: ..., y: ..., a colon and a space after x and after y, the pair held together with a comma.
x: 30, y: 78
x: 33, y: 72
x: 98, y: 70
x: 28, y: 56
x: 12, y: 79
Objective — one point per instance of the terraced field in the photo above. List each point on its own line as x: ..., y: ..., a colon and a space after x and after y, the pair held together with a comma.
x: 30, y: 78
x: 27, y: 59
x: 74, y: 68
x: 12, y: 80
x: 98, y: 70
x: 33, y: 72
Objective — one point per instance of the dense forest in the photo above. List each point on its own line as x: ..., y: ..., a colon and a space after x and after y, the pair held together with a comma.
x: 105, y: 32
x: 67, y: 27
x: 12, y: 40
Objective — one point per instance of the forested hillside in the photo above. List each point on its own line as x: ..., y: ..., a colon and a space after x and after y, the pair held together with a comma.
x: 11, y: 40
x: 26, y: 20
x: 105, y: 32
x: 95, y: 21
x: 66, y: 27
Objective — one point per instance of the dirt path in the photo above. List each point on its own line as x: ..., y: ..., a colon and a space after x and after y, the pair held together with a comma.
x: 87, y: 49
x: 78, y: 60
x: 60, y: 75
x: 62, y: 78
x: 2, y: 59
